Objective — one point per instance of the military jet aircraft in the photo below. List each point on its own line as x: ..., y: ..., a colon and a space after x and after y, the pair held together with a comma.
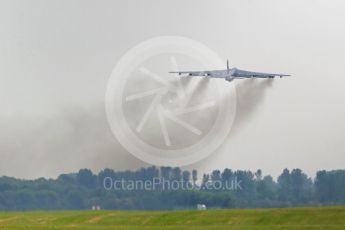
x: 229, y: 74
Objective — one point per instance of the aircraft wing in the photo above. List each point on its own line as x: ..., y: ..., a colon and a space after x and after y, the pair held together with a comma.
x: 249, y: 74
x: 195, y: 73
x: 236, y: 73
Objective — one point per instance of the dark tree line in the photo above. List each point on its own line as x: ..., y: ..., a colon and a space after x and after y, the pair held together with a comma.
x: 84, y: 189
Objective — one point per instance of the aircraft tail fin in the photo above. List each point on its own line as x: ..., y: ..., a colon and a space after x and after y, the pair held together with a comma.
x: 227, y: 65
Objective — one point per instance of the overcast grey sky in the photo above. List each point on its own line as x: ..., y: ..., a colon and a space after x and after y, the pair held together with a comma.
x: 57, y: 56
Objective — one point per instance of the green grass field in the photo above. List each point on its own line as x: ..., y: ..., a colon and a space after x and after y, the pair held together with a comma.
x: 289, y: 218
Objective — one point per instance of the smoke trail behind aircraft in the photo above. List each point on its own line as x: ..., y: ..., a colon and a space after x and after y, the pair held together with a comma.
x: 250, y: 94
